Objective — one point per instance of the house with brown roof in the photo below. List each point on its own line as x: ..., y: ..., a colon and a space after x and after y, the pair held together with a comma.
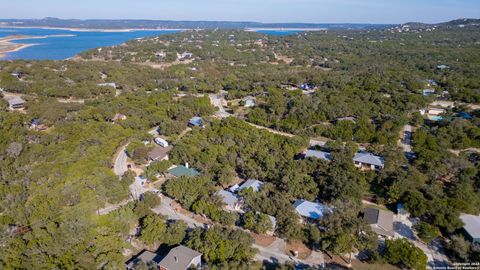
x: 381, y: 221
x: 181, y: 258
x: 159, y: 153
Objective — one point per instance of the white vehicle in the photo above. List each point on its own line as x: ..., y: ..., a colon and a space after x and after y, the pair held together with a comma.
x: 161, y: 142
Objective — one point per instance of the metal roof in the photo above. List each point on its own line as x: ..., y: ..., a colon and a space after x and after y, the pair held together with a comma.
x: 251, y: 183
x: 472, y: 225
x: 227, y: 197
x: 195, y: 121
x: 181, y: 170
x: 318, y: 154
x: 369, y: 158
x: 380, y: 220
x: 311, y: 210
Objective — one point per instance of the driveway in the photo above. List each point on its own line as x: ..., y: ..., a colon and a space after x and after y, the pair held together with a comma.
x: 120, y: 163
x: 217, y: 101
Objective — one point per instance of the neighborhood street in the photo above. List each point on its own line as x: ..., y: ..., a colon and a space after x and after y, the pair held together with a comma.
x: 120, y: 163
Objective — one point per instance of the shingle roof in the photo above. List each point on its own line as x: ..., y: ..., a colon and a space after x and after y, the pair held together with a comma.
x: 179, y: 258
x: 181, y: 170
x: 381, y: 220
x: 227, y: 197
x: 251, y: 183
x: 318, y: 154
x: 311, y: 210
x: 368, y: 158
x: 472, y: 225
x: 159, y: 153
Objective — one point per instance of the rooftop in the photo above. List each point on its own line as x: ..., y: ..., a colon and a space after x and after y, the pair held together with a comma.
x: 228, y: 197
x: 311, y: 210
x: 472, y: 225
x: 16, y: 101
x: 195, y: 121
x: 318, y: 154
x: 179, y: 258
x: 369, y: 158
x: 383, y: 220
x: 181, y: 170
x: 144, y: 256
x: 251, y: 183
x: 159, y: 153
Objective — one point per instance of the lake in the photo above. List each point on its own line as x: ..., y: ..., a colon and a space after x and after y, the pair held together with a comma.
x: 62, y: 47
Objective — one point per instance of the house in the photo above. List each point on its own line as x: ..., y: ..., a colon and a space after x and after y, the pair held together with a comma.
x: 471, y: 227
x: 231, y: 201
x: 249, y: 102
x: 196, y: 122
x: 349, y: 118
x: 16, y: 103
x: 119, y: 117
x: 441, y: 67
x: 318, y: 154
x: 185, y: 55
x: 367, y: 160
x: 180, y: 171
x: 111, y: 84
x: 431, y: 82
x: 181, y: 258
x: 159, y: 153
x: 381, y: 221
x: 311, y: 210
x: 145, y: 256
x: 432, y: 111
x: 428, y: 92
x: 254, y: 184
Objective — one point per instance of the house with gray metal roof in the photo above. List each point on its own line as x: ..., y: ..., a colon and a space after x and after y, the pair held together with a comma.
x: 181, y: 170
x: 318, y: 154
x: 181, y: 258
x: 367, y: 160
x: 254, y: 184
x: 381, y: 221
x: 311, y: 210
x: 231, y: 201
x: 16, y: 103
x: 471, y: 227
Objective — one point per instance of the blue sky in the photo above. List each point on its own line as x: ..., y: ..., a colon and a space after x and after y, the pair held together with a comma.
x: 328, y: 11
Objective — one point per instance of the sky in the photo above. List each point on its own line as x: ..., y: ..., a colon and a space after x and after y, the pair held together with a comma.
x: 309, y: 11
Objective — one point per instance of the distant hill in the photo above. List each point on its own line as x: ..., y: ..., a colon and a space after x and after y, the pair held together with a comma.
x: 450, y: 24
x: 154, y: 24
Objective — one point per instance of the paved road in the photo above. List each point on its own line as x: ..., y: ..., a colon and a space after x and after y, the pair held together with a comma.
x: 120, y: 164
x: 217, y: 101
x: 406, y: 140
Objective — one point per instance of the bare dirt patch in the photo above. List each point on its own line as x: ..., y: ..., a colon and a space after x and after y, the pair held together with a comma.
x: 262, y: 240
x: 303, y: 251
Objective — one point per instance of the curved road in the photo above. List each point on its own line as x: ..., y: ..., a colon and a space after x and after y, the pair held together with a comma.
x: 120, y: 163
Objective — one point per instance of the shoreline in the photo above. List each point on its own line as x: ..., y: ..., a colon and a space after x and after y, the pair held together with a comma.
x: 73, y: 29
x: 8, y: 44
x: 284, y: 29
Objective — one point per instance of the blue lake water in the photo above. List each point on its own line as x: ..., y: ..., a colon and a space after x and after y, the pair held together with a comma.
x: 62, y: 47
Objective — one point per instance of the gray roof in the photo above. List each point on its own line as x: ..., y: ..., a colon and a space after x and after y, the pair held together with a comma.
x: 369, y: 158
x: 311, y: 210
x: 196, y: 121
x: 318, y: 154
x: 251, y: 183
x: 16, y: 101
x: 472, y: 225
x: 228, y: 197
x: 144, y: 256
x: 380, y: 220
x: 179, y: 258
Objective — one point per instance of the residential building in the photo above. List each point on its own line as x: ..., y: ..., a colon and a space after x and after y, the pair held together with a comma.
x: 442, y: 67
x: 231, y: 201
x: 471, y: 227
x: 311, y: 210
x: 181, y: 258
x: 180, y: 171
x: 159, y: 153
x: 196, y: 122
x: 110, y: 84
x: 381, y: 221
x: 365, y: 160
x: 119, y: 117
x: 318, y: 154
x: 249, y: 102
x: 428, y: 92
x: 16, y: 103
x: 254, y: 184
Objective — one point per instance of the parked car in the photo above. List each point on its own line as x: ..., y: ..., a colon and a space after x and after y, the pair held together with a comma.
x: 161, y: 142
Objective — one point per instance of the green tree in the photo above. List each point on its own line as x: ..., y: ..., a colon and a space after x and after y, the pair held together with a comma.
x: 401, y: 252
